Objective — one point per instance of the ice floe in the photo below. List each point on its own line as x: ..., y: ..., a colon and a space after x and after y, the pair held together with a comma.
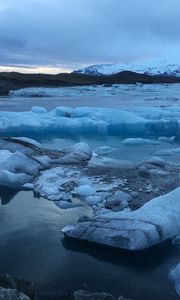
x: 139, y: 141
x: 22, y: 159
x: 140, y: 93
x: 153, y: 223
x: 141, y: 123
x: 17, y: 168
x: 118, y: 192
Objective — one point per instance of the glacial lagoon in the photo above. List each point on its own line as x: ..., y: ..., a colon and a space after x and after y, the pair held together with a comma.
x: 31, y: 242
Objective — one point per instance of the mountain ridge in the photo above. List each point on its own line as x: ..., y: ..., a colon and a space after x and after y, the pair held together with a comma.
x: 150, y: 67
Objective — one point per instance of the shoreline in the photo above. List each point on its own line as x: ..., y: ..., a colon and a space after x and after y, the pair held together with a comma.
x: 13, y: 81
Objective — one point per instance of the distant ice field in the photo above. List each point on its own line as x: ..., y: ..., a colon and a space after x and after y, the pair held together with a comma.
x: 114, y: 96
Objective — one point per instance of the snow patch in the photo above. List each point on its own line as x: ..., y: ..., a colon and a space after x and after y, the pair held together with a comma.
x: 151, y: 67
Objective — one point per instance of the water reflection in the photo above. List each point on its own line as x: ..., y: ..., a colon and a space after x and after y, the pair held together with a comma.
x: 32, y: 246
x: 7, y: 194
x: 146, y: 260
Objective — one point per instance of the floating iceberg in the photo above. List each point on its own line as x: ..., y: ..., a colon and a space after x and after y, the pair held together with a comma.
x: 156, y: 221
x: 138, y: 122
x: 17, y: 169
x: 139, y: 141
x: 22, y: 159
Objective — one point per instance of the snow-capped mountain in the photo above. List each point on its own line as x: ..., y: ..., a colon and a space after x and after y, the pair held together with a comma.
x: 150, y: 67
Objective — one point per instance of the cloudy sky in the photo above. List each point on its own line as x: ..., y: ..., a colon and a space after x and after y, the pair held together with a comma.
x: 61, y: 35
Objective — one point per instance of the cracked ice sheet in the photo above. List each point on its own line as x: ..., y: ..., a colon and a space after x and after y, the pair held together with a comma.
x: 48, y: 184
x: 105, y: 186
x: 156, y: 221
x: 64, y: 183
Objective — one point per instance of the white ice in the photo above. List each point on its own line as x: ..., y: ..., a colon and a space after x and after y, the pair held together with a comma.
x: 149, y: 66
x: 16, y: 168
x: 140, y: 122
x: 85, y: 190
x: 156, y: 221
x: 139, y: 141
x: 116, y: 95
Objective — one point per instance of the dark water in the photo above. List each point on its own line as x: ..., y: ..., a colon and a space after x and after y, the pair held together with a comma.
x: 32, y: 246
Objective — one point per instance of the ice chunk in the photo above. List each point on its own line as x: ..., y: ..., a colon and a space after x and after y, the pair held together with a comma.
x: 19, y: 162
x: 39, y: 109
x: 14, y: 145
x: 4, y: 155
x: 139, y: 141
x: 85, y: 190
x: 63, y: 111
x: 78, y: 154
x: 118, y: 201
x: 67, y: 205
x: 16, y: 168
x: 175, y: 277
x: 93, y: 200
x: 104, y: 150
x: 44, y: 160
x: 28, y: 140
x: 156, y: 221
x: 139, y: 123
x: 13, y: 180
x: 49, y: 182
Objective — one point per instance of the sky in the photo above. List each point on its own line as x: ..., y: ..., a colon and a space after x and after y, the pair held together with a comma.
x: 53, y: 36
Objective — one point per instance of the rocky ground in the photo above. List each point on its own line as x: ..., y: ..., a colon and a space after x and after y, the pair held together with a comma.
x: 12, y: 288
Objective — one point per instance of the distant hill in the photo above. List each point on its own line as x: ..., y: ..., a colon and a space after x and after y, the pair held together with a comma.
x: 150, y: 67
x: 14, y: 81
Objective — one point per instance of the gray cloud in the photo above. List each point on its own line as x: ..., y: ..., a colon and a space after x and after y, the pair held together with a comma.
x: 75, y: 32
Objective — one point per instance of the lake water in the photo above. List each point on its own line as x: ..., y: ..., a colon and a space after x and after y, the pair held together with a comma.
x: 118, y: 151
x: 31, y: 242
x: 115, y: 96
x: 32, y: 246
